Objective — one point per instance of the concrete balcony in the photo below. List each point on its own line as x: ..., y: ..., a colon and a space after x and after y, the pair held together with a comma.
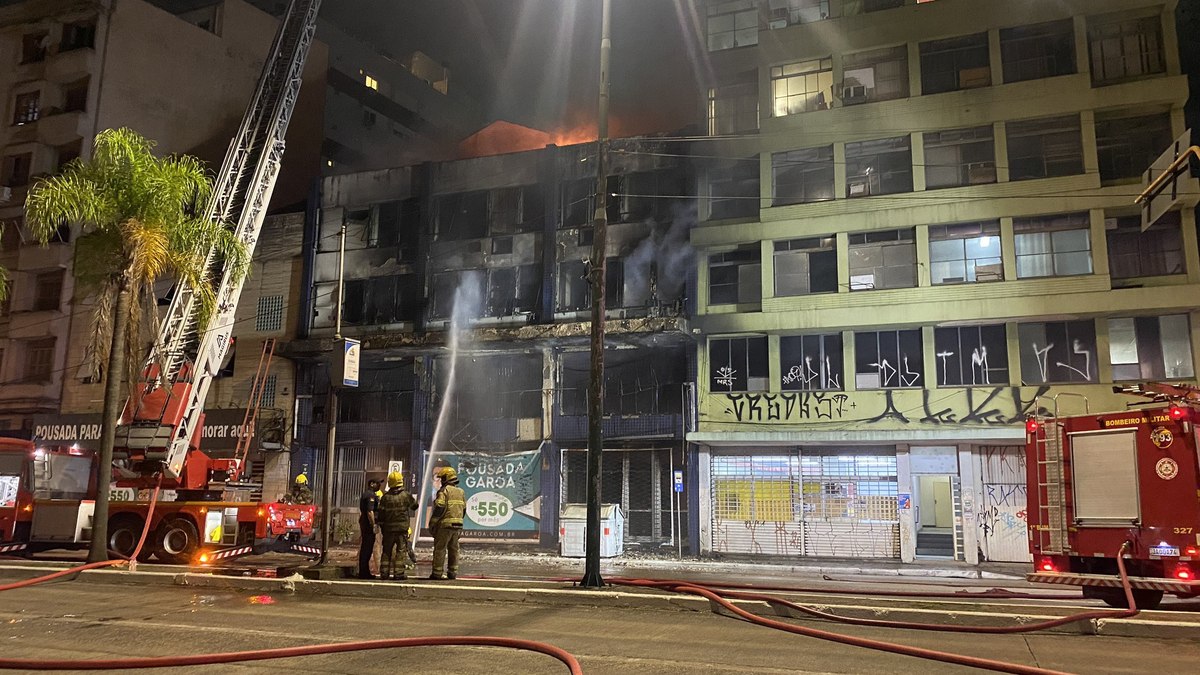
x: 69, y: 66
x: 59, y: 128
x: 27, y: 72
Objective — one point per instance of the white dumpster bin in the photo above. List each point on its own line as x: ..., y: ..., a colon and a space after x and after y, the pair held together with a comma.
x: 572, y: 531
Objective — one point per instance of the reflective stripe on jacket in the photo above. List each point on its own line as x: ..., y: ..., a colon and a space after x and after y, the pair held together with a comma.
x: 451, y: 504
x: 394, y: 507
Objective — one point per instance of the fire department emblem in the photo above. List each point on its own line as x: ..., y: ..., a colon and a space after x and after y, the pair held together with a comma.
x: 1162, y: 437
x: 1166, y: 468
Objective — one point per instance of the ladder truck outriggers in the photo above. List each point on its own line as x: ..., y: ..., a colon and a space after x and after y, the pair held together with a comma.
x: 46, y: 493
x: 1127, y: 481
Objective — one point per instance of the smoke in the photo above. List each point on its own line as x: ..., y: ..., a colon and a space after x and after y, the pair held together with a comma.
x: 657, y: 269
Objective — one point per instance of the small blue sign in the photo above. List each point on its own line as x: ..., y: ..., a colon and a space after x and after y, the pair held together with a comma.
x: 678, y: 481
x: 905, y: 501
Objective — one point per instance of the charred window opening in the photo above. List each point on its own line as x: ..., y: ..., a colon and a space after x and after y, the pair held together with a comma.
x: 394, y: 223
x: 383, y: 394
x: 381, y: 300
x: 579, y: 201
x: 513, y: 290
x: 462, y: 216
x: 636, y: 382
x: 493, y: 386
x: 646, y: 195
x: 573, y: 293
x: 515, y: 210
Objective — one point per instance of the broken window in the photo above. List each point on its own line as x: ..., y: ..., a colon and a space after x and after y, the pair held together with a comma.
x: 802, y: 176
x: 889, y: 359
x: 879, y: 167
x: 878, y: 75
x: 513, y: 290
x: 733, y: 189
x: 804, y: 266
x: 1038, y: 51
x: 394, y: 223
x: 735, y: 277
x: 1045, y: 148
x: 493, y: 386
x: 573, y: 293
x: 1127, y: 145
x: 1058, y: 351
x: 645, y: 195
x: 383, y: 395
x: 955, y: 63
x: 737, y: 364
x: 33, y: 47
x: 1124, y: 49
x: 579, y: 199
x: 811, y: 362
x: 381, y: 300
x: 971, y: 355
x: 504, y: 211
x: 1133, y: 253
x: 965, y: 253
x: 886, y: 259
x: 1053, y: 246
x: 443, y: 288
x: 1150, y: 347
x: 959, y: 157
x: 643, y: 381
x: 462, y: 216
x: 733, y: 108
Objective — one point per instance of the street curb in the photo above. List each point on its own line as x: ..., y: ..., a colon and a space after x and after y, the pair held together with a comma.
x: 556, y: 596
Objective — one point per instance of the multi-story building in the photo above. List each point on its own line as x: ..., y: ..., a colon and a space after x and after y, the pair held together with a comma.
x: 503, y: 240
x: 72, y: 69
x: 922, y: 230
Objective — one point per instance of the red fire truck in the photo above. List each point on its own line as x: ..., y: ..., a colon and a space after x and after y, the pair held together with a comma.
x: 47, y: 501
x: 1099, y: 480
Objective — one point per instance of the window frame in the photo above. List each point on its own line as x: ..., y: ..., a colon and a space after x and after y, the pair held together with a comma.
x: 955, y: 56
x: 909, y: 379
x: 861, y: 176
x: 1142, y: 140
x: 888, y: 243
x: 1134, y: 244
x: 1041, y: 37
x: 1073, y: 334
x: 824, y: 247
x: 48, y: 290
x: 741, y: 196
x: 1052, y: 224
x: 1151, y: 58
x: 980, y: 172
x: 1052, y: 131
x: 984, y: 231
x: 799, y: 168
x: 872, y: 60
x: 756, y: 376
x: 831, y: 370
x: 977, y: 364
x: 808, y: 82
x: 1150, y: 359
x: 740, y: 13
x: 749, y: 257
x: 737, y: 102
x: 39, y: 359
x: 27, y: 107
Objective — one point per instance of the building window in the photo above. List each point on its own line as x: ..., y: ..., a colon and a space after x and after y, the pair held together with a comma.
x: 793, y: 12
x: 959, y: 157
x: 889, y: 359
x: 383, y: 300
x: 737, y: 364
x: 75, y: 96
x: 514, y: 210
x: 370, y: 82
x: 733, y: 108
x: 462, y: 216
x: 955, y: 63
x: 393, y: 224
x: 39, y: 359
x: 33, y: 47
x: 1150, y: 347
x: 971, y: 356
x: 10, y: 236
x: 878, y: 167
x: 65, y: 154
x: 1127, y: 146
x: 269, y: 317
x: 1156, y: 252
x: 965, y: 253
x: 1124, y: 49
x: 78, y: 35
x: 802, y: 87
x: 573, y: 291
x: 734, y: 190
x: 877, y: 75
x: 47, y: 291
x: 579, y: 198
x: 27, y: 108
x: 16, y: 169
x: 805, y: 266
x: 732, y: 24
x: 1053, y: 246
x: 1057, y: 352
x: 735, y: 277
x: 515, y: 290
x: 886, y: 259
x: 802, y: 176
x: 1038, y: 51
x: 1045, y: 148
x: 811, y: 362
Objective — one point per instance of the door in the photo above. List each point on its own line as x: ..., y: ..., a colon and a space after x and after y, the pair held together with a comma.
x: 943, y: 503
x: 1002, y: 521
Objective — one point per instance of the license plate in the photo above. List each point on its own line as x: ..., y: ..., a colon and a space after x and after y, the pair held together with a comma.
x: 292, y: 523
x: 1165, y: 551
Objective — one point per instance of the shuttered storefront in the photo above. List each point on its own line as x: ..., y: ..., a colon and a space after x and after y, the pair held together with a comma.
x: 831, y: 502
x: 1002, y: 522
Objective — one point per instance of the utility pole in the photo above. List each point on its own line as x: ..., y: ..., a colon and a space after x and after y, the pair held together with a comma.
x: 332, y: 412
x: 591, y: 574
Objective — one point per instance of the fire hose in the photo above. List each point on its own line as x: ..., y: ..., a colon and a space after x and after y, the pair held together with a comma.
x: 131, y: 560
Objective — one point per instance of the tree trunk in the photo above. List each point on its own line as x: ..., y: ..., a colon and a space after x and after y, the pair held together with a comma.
x: 108, y: 424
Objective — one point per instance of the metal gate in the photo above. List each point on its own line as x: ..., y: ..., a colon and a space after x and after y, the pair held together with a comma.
x: 638, y: 480
x: 1003, y: 523
x: 810, y: 501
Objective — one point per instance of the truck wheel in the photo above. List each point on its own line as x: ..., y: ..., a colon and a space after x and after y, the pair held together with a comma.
x: 1145, y: 599
x: 177, y: 540
x: 123, y: 534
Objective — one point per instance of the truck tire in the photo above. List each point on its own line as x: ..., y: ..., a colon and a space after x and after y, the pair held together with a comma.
x: 177, y: 540
x: 1145, y: 598
x: 124, y: 531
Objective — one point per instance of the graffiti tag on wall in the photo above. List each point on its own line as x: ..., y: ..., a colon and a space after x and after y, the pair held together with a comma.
x: 974, y: 405
x: 787, y: 407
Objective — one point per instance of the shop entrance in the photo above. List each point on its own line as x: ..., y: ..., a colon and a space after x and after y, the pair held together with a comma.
x: 935, y: 515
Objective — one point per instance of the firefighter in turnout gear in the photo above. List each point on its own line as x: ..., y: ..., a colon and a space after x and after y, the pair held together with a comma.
x: 446, y: 523
x: 301, y: 493
x: 393, y: 517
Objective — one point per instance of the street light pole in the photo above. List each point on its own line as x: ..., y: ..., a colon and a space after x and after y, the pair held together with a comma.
x: 332, y: 412
x: 591, y: 575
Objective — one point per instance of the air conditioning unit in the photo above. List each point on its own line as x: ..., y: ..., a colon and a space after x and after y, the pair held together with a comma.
x: 854, y: 93
x: 776, y: 24
x: 5, y: 194
x: 529, y: 429
x: 858, y: 186
x: 981, y: 173
x: 970, y: 78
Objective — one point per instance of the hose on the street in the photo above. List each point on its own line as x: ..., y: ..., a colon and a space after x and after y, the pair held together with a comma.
x: 946, y: 657
x: 131, y: 560
x: 288, y: 652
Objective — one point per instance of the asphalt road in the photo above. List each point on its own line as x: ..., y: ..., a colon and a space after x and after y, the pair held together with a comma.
x: 77, y: 619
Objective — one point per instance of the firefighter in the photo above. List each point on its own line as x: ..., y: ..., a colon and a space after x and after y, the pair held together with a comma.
x: 446, y: 522
x: 394, y: 508
x: 301, y: 493
x: 368, y: 505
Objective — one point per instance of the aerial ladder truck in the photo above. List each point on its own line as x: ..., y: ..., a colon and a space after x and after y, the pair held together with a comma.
x: 46, y: 495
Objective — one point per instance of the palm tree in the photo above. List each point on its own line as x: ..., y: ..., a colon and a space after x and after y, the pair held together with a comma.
x: 141, y: 221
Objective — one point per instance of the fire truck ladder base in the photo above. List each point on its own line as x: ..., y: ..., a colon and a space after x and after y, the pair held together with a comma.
x: 1052, y: 476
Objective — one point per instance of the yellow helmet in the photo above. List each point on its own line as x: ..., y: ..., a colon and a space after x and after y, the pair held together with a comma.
x: 302, y: 480
x: 447, y: 473
x: 395, y: 479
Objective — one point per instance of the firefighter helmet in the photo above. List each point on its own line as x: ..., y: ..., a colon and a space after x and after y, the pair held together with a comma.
x: 447, y: 474
x: 395, y: 479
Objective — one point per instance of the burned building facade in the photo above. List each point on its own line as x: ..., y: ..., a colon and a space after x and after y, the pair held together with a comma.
x: 498, y: 246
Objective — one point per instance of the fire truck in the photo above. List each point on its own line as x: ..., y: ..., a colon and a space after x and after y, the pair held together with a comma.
x: 1098, y: 481
x: 48, y: 494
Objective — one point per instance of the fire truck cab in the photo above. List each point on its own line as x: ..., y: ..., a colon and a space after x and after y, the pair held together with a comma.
x: 1098, y: 481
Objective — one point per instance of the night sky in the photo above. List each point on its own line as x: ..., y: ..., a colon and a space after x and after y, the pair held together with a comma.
x: 535, y: 62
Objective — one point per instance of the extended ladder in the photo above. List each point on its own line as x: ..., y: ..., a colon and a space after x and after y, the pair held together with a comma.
x: 240, y: 196
x: 254, y: 402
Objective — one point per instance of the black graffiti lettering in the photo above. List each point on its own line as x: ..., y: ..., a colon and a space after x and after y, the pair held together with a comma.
x: 943, y: 416
x: 890, y: 411
x: 786, y: 407
x: 978, y: 414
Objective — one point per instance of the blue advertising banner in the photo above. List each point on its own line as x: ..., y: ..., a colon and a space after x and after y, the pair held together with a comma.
x: 503, y: 493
